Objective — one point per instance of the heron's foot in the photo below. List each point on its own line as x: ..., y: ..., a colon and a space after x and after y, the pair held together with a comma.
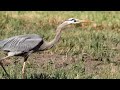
x: 23, y: 76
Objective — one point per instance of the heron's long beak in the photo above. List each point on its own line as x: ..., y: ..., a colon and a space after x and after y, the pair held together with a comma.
x: 85, y: 21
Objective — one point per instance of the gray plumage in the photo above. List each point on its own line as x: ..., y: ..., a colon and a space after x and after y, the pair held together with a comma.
x: 22, y: 43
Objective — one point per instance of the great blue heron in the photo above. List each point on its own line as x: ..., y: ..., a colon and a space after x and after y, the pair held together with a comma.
x: 24, y: 45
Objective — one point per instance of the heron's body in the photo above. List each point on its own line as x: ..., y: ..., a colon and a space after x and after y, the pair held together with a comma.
x: 24, y: 45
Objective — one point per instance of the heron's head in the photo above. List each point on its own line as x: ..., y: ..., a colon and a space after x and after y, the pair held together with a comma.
x: 74, y: 21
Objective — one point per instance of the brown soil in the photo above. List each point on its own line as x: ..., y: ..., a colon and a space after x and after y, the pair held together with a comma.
x: 41, y: 59
x: 59, y: 61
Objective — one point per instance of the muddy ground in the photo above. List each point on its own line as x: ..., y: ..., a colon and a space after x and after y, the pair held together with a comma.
x: 91, y: 65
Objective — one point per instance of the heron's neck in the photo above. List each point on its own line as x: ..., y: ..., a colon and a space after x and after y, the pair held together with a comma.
x: 48, y: 45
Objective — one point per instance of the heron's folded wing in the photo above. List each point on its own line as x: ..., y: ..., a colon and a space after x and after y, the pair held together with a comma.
x: 23, y: 43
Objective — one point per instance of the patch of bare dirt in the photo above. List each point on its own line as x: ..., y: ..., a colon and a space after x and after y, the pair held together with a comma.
x: 90, y: 63
x: 40, y: 59
x: 93, y: 66
x: 6, y: 62
x: 57, y: 60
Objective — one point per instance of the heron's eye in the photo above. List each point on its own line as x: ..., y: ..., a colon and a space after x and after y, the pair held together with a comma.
x: 74, y: 20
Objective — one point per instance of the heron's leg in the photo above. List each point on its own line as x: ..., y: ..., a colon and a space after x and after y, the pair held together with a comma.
x: 4, y: 70
x: 4, y: 58
x: 10, y: 54
x: 3, y: 66
x: 23, y: 68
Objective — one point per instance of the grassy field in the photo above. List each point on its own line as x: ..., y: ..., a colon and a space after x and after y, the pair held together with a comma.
x: 85, y: 51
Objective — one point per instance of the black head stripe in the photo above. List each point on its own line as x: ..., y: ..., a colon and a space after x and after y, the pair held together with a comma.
x: 71, y: 19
